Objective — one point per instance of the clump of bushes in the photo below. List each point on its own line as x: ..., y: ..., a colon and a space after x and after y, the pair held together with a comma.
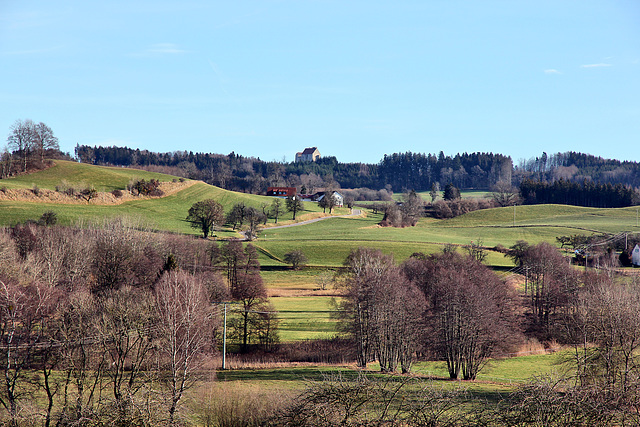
x: 88, y: 193
x: 35, y: 190
x: 48, y: 218
x: 117, y: 193
x: 367, y: 194
x: 452, y: 208
x: 142, y: 187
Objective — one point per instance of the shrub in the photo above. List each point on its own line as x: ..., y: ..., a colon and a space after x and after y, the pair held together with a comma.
x: 48, y: 218
x: 146, y: 188
x: 296, y: 258
x: 117, y: 193
x: 35, y: 190
x: 236, y: 405
x: 88, y: 193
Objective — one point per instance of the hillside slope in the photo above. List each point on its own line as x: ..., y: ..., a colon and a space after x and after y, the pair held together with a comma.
x: 166, y: 213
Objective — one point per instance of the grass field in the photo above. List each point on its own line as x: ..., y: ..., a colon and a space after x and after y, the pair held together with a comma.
x: 164, y: 214
x: 498, y: 378
x: 305, y: 317
x: 326, y: 243
x: 468, y: 194
x: 103, y: 178
x: 304, y: 310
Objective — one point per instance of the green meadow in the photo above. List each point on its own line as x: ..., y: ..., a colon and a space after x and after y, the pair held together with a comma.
x: 163, y: 214
x: 102, y: 178
x: 305, y: 310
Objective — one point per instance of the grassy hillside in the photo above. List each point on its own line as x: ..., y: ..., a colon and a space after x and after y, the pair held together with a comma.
x: 103, y: 178
x: 328, y: 242
x: 325, y: 243
x: 166, y: 213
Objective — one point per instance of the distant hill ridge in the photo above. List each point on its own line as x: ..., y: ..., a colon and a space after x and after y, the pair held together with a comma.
x: 397, y: 171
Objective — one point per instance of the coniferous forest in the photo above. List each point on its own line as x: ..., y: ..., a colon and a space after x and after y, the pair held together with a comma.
x: 565, y: 178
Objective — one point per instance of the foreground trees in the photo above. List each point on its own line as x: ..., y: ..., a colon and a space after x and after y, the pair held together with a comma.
x: 185, y: 325
x: 381, y: 310
x: 445, y: 303
x: 550, y: 282
x: 102, y: 324
x: 603, y: 323
x: 470, y: 311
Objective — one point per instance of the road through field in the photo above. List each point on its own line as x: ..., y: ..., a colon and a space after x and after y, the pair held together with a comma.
x: 354, y: 212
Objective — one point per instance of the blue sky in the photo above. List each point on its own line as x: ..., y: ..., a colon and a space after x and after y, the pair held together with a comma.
x: 357, y: 79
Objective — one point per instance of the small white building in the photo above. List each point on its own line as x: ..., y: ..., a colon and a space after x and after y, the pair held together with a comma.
x: 308, y: 155
x: 339, y: 198
x: 635, y: 256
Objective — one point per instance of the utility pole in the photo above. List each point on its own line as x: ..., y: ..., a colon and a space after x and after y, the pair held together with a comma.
x: 224, y: 339
x: 224, y: 332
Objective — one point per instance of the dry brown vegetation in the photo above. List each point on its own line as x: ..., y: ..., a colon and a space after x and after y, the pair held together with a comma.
x: 101, y: 198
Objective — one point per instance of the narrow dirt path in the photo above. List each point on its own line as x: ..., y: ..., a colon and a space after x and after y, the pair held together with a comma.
x: 354, y: 212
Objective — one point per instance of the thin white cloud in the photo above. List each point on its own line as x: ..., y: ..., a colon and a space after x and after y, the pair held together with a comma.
x: 166, y: 49
x: 552, y: 71
x: 32, y: 51
x: 160, y: 49
x: 602, y: 64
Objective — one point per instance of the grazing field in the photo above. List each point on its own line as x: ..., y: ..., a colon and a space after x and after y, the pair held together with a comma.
x: 325, y: 243
x: 467, y: 194
x: 305, y: 300
x: 305, y: 317
x: 163, y: 214
x: 499, y: 378
x: 103, y: 178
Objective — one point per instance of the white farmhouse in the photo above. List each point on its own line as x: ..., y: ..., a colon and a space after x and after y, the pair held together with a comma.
x: 635, y: 256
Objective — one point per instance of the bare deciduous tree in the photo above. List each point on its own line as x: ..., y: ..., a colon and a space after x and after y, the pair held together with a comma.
x: 505, y: 194
x: 551, y: 280
x: 250, y: 291
x: 381, y: 310
x: 22, y: 140
x: 470, y: 310
x: 23, y: 313
x: 44, y: 140
x: 124, y: 327
x: 185, y: 325
x: 296, y: 258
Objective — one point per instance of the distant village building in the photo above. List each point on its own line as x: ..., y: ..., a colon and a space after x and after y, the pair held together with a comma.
x: 339, y: 198
x: 282, y: 192
x: 308, y: 155
x: 635, y: 256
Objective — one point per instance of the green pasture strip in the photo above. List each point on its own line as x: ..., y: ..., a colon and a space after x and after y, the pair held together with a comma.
x: 494, y: 382
x: 164, y: 214
x: 103, y: 178
x: 467, y: 194
x: 333, y: 253
x: 303, y: 318
x: 510, y: 370
x: 473, y: 194
x: 286, y: 279
x: 297, y: 377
